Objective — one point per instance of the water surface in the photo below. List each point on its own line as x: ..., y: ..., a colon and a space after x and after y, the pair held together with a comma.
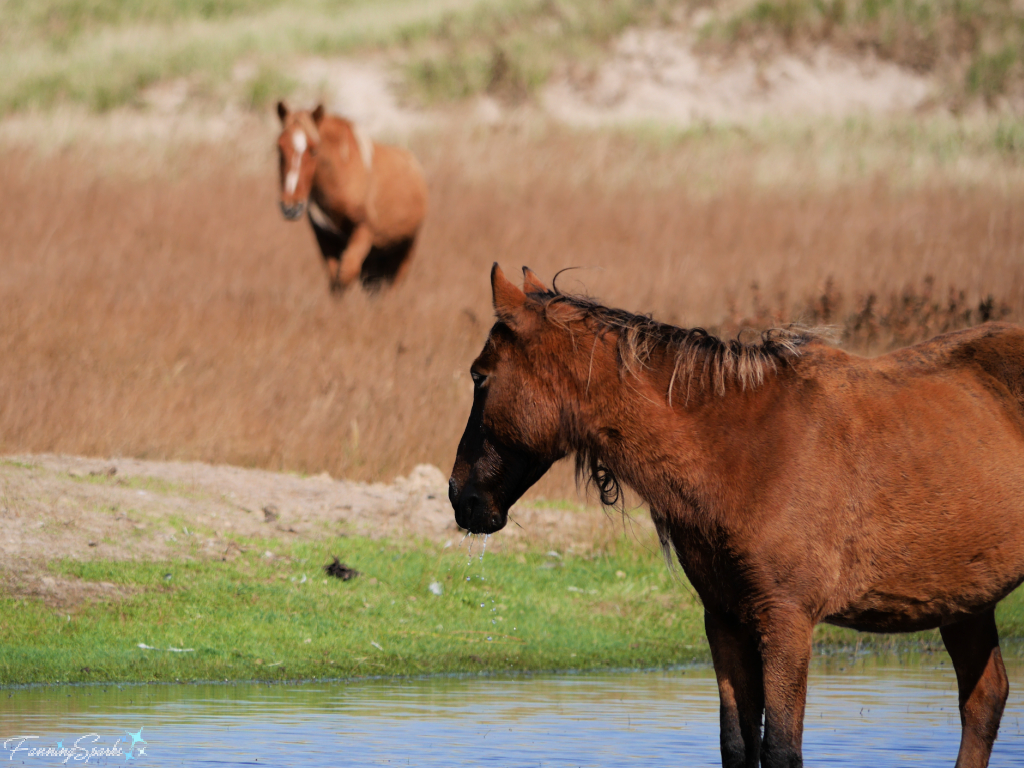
x: 868, y: 716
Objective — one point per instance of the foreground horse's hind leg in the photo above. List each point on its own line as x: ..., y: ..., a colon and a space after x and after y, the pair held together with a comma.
x: 785, y: 656
x: 737, y: 662
x: 973, y: 645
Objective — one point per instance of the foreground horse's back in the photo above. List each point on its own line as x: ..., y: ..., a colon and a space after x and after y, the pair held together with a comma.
x: 895, y: 485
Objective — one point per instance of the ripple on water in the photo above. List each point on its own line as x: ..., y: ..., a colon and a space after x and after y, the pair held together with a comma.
x: 878, y: 717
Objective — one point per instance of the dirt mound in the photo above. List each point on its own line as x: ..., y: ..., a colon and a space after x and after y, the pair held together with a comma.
x: 71, y: 506
x: 56, y: 507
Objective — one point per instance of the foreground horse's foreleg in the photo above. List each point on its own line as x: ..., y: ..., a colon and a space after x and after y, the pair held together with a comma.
x: 785, y: 655
x: 354, y: 255
x: 737, y: 663
x: 973, y: 645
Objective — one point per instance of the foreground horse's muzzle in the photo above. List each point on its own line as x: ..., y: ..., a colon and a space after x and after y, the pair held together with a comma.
x: 292, y: 211
x: 475, y: 511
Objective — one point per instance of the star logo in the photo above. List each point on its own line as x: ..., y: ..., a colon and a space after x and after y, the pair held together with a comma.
x: 136, y: 739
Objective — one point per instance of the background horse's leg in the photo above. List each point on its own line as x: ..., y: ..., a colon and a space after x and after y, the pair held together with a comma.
x: 973, y: 645
x: 785, y: 655
x: 356, y: 251
x: 385, y: 265
x: 333, y: 265
x: 332, y: 242
x: 737, y: 662
x: 403, y: 265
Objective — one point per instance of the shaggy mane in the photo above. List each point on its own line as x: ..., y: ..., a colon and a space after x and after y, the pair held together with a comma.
x: 698, y: 356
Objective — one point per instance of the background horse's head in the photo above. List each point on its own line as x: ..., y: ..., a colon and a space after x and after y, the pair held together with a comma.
x: 297, y: 149
x: 515, y: 429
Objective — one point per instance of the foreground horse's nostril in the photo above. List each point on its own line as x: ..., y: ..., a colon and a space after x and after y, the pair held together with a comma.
x: 453, y: 491
x: 466, y: 505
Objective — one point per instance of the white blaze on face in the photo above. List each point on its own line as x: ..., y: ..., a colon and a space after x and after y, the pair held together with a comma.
x: 299, y: 144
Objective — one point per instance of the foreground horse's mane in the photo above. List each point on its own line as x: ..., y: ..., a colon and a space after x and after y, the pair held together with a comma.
x: 695, y: 353
x: 698, y: 356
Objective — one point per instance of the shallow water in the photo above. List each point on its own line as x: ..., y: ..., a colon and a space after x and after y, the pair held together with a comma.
x: 889, y: 716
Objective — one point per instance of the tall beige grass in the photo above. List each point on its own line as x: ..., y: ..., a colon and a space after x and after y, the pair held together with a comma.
x: 175, y: 314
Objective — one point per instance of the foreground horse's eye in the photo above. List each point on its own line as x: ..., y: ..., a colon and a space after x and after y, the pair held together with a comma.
x: 478, y: 378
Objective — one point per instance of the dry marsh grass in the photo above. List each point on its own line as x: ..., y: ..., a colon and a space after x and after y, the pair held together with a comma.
x: 174, y: 314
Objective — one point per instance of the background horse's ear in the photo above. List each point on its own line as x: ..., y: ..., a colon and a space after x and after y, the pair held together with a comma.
x: 282, y: 111
x: 532, y: 283
x: 318, y: 114
x: 507, y: 298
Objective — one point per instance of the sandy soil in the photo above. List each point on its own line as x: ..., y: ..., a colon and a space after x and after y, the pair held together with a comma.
x: 84, y: 508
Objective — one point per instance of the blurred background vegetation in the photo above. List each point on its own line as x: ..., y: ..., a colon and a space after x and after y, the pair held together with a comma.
x: 105, y: 53
x: 154, y: 304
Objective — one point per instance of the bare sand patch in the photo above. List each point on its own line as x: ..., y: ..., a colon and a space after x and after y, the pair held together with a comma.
x: 656, y: 75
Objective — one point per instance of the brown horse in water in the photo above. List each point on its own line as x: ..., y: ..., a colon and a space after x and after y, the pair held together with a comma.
x: 365, y: 201
x: 796, y: 483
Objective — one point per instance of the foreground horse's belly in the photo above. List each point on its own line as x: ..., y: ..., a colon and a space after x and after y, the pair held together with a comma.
x: 873, y: 620
x: 880, y: 611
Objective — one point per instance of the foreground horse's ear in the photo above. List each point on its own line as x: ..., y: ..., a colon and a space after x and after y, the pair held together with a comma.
x: 282, y: 111
x: 532, y: 283
x: 507, y: 298
x: 318, y: 114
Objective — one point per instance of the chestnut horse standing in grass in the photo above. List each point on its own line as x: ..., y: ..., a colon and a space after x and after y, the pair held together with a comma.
x: 365, y: 201
x: 796, y: 483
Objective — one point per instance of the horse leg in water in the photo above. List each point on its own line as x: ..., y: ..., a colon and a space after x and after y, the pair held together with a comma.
x: 355, y: 254
x: 740, y: 689
x: 785, y: 655
x: 973, y: 645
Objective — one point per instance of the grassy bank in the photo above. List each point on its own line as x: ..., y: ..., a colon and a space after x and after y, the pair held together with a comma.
x: 277, y: 616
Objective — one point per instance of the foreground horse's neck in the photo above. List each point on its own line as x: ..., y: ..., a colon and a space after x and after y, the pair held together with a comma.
x: 687, y: 444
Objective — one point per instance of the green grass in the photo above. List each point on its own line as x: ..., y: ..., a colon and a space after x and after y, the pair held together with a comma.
x: 252, y: 617
x: 255, y: 617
